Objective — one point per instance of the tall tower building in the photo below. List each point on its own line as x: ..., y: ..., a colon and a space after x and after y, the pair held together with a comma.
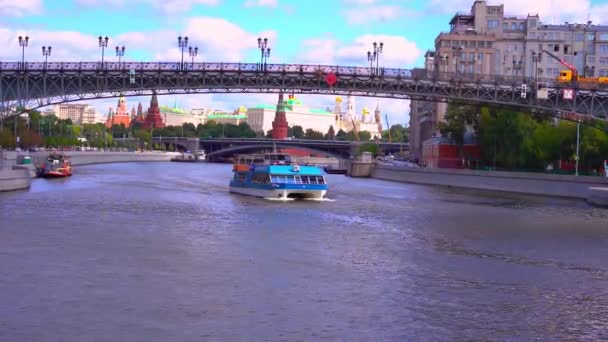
x: 279, y: 125
x: 338, y: 107
x: 122, y: 116
x: 350, y: 108
x: 154, y: 119
x: 378, y: 117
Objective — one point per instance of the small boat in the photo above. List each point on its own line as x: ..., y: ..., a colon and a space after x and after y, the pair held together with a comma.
x: 274, y: 176
x: 189, y: 157
x: 56, y: 166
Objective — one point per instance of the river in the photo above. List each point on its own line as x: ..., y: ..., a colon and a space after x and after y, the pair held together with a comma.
x: 162, y: 252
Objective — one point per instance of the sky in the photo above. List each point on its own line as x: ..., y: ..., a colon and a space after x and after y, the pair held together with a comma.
x: 299, y: 31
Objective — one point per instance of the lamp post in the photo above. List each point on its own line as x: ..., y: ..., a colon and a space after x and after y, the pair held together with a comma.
x: 120, y: 52
x: 103, y: 44
x: 536, y: 58
x: 517, y: 66
x: 578, y: 129
x: 46, y: 52
x: 23, y: 43
x: 445, y: 61
x: 457, y: 58
x: 377, y: 51
x: 264, y: 52
x: 193, y: 53
x: 182, y: 43
x: 371, y: 57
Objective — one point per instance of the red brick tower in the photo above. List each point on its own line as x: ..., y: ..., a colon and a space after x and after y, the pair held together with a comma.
x: 154, y: 119
x: 279, y: 125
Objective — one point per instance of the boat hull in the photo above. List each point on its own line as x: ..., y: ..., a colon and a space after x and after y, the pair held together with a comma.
x: 280, y: 193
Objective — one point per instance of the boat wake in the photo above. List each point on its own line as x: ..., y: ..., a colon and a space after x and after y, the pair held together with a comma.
x: 319, y: 199
x: 279, y: 199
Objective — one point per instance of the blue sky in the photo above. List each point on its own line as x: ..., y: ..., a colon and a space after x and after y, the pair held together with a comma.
x: 300, y: 31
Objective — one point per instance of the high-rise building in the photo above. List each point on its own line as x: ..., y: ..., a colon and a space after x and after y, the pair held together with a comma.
x: 485, y: 42
x: 77, y: 112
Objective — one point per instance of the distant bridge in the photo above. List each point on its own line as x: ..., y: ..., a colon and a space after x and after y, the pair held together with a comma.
x: 34, y: 85
x: 225, y: 147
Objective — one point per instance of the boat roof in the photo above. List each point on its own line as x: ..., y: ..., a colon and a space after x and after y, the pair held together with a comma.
x: 289, y: 170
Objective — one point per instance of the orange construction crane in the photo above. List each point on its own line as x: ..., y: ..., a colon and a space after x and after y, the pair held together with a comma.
x: 572, y: 76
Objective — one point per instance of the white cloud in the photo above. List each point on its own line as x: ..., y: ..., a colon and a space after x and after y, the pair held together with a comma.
x: 20, y: 8
x: 261, y: 3
x: 373, y: 14
x: 397, y: 52
x: 164, y: 6
x: 550, y: 11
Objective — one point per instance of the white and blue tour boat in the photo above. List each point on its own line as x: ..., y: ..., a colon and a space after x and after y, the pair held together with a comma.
x: 275, y: 176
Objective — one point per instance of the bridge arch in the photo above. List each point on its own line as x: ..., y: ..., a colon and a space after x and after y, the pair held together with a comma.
x: 35, y: 85
x: 249, y: 148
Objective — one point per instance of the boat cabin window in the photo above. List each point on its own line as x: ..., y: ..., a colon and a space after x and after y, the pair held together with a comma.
x: 297, y: 179
x: 240, y: 176
x: 273, y: 158
x: 261, y: 178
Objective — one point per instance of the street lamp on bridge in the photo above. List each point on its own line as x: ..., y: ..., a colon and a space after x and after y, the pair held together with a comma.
x: 264, y: 52
x: 46, y: 52
x: 120, y: 52
x: 23, y: 43
x: 371, y: 57
x: 182, y: 43
x: 193, y: 53
x: 103, y: 43
x: 457, y: 58
x: 374, y: 55
x: 537, y: 57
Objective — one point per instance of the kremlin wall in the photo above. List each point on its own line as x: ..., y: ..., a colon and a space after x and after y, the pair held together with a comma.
x: 287, y: 112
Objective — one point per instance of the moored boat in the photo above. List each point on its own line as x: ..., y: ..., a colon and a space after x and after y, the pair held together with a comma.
x: 274, y: 176
x: 56, y: 166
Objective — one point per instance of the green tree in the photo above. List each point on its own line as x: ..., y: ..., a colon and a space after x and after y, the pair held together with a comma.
x: 331, y: 134
x: 312, y: 134
x: 365, y: 136
x: 368, y: 147
x: 297, y: 132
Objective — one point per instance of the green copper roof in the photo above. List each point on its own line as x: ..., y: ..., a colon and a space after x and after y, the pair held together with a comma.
x: 168, y: 109
x: 289, y: 108
x: 226, y: 116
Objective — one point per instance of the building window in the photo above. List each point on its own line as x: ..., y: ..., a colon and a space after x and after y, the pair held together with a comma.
x: 513, y: 26
x: 532, y: 23
x: 591, y: 60
x: 481, y: 44
x: 492, y: 23
x: 522, y: 27
x: 489, y: 45
x: 579, y: 36
x: 602, y: 60
x: 505, y: 26
x: 603, y: 36
x: 445, y: 43
x: 531, y: 35
x: 590, y: 36
x: 567, y: 36
x: 603, y: 49
x: 590, y: 49
x: 603, y: 73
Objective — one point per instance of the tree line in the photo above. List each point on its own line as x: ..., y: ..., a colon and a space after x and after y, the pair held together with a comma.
x: 513, y: 140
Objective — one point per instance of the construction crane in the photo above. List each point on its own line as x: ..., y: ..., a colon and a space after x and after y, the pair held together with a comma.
x: 355, y: 130
x: 572, y: 76
x: 388, y: 128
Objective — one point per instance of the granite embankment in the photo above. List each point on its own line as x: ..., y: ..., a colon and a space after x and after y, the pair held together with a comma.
x: 20, y: 179
x: 591, y: 189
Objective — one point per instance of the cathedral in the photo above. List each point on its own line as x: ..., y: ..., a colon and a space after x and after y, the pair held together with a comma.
x: 347, y: 119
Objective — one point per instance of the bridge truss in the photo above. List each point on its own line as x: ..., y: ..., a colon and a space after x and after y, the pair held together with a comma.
x: 34, y: 85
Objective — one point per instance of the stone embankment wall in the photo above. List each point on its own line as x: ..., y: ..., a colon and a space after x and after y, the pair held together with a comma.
x: 20, y: 179
x: 581, y: 187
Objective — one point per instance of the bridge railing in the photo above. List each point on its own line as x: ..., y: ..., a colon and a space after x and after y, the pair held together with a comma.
x: 382, y: 73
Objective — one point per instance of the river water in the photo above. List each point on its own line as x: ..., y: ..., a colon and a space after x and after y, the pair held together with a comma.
x: 162, y: 252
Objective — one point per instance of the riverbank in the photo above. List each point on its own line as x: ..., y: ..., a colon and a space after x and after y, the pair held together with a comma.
x: 11, y: 180
x: 582, y: 187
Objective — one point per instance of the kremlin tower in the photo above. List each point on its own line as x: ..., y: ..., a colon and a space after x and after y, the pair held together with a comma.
x: 140, y: 119
x: 153, y: 119
x: 377, y: 118
x: 121, y: 117
x: 279, y: 125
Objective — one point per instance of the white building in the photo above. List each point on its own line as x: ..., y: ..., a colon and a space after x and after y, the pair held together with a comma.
x: 177, y: 117
x: 346, y: 120
x: 78, y: 113
x: 260, y: 117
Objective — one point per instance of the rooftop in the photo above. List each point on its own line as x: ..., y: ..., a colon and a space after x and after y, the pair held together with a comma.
x: 173, y: 110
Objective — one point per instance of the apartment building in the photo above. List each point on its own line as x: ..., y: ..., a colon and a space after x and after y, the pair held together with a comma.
x: 488, y: 42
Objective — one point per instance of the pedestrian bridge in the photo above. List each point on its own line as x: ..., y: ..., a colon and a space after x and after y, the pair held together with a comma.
x: 34, y: 85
